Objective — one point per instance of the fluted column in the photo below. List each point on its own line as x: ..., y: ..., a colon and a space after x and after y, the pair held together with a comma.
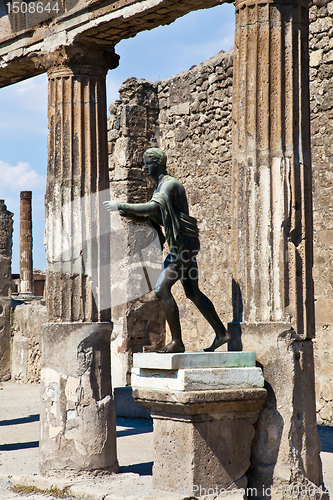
x: 26, y: 268
x: 272, y: 237
x: 77, y: 183
x: 78, y: 429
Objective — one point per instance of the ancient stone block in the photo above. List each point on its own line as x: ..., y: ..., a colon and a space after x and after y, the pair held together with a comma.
x: 77, y: 417
x: 212, y: 429
x: 28, y: 320
x: 288, y: 417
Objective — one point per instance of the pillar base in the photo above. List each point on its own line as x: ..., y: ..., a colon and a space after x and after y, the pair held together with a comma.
x: 202, y: 438
x: 78, y: 423
x: 286, y: 447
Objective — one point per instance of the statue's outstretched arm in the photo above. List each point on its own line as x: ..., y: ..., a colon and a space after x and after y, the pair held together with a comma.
x: 141, y: 209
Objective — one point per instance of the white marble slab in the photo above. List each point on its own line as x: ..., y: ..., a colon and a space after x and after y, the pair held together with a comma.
x: 166, y: 361
x: 197, y: 379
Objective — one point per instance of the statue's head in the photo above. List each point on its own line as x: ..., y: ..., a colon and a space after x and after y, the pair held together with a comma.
x: 155, y: 155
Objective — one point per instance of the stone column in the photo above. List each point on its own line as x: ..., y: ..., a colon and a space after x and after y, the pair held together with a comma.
x: 272, y: 233
x: 77, y: 417
x: 6, y: 232
x: 26, y: 269
x: 272, y: 188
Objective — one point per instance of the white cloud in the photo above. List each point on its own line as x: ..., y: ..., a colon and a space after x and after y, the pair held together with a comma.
x: 23, y: 108
x: 20, y: 177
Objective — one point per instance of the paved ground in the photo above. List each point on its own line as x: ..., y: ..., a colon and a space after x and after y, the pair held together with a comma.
x: 19, y: 434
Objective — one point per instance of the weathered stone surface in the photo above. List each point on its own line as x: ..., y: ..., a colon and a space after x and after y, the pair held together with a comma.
x: 100, y: 24
x: 323, y: 352
x: 6, y: 231
x: 197, y: 402
x: 137, y: 316
x: 288, y: 417
x: 77, y: 227
x: 174, y: 361
x: 212, y: 429
x: 321, y: 92
x: 272, y: 230
x: 197, y: 379
x: 77, y: 417
x: 77, y: 414
x: 28, y: 320
x: 26, y: 266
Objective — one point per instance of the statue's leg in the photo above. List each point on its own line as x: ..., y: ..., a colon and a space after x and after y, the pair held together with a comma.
x: 191, y: 287
x: 168, y: 277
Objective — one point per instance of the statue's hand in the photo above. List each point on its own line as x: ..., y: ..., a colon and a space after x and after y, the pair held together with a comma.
x: 111, y: 206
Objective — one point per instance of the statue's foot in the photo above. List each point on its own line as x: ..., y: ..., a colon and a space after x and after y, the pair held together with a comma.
x: 220, y: 339
x: 174, y: 346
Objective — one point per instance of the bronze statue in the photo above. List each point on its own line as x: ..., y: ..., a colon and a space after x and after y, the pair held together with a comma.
x: 169, y: 208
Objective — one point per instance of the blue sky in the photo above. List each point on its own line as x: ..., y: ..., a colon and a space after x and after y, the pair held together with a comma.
x: 153, y: 55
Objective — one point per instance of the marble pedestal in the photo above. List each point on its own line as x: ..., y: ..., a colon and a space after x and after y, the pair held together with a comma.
x: 204, y: 406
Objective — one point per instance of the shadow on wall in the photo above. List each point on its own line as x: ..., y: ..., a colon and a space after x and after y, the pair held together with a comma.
x: 237, y: 317
x: 326, y: 438
x: 269, y: 427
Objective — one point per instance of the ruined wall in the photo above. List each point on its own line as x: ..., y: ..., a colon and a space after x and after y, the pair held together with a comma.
x: 28, y: 320
x: 6, y: 232
x: 321, y: 87
x: 138, y: 320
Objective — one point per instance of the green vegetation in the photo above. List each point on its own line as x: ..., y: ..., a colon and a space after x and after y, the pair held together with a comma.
x: 55, y: 492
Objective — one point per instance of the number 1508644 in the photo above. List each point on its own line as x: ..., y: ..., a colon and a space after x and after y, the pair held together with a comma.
x: 32, y: 7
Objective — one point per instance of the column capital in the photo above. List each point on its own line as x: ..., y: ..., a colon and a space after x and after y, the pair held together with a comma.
x: 246, y: 3
x: 78, y: 58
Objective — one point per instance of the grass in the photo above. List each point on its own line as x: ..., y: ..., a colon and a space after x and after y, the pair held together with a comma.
x: 55, y: 492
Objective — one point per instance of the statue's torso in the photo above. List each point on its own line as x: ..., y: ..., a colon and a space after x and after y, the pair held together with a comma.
x: 175, y: 191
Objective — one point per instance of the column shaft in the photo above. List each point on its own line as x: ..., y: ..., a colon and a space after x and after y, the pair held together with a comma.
x: 26, y: 266
x: 272, y: 235
x: 78, y: 429
x: 272, y: 199
x: 77, y: 175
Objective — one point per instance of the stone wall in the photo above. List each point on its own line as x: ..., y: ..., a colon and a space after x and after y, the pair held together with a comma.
x: 138, y: 320
x: 321, y: 87
x: 28, y: 319
x: 6, y: 231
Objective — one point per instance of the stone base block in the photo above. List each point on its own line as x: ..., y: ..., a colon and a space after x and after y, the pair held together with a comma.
x: 176, y: 361
x: 201, y: 453
x: 78, y: 423
x: 197, y: 379
x: 202, y: 438
x: 20, y: 358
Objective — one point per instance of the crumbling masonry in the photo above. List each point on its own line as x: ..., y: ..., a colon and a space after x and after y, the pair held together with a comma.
x: 6, y: 231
